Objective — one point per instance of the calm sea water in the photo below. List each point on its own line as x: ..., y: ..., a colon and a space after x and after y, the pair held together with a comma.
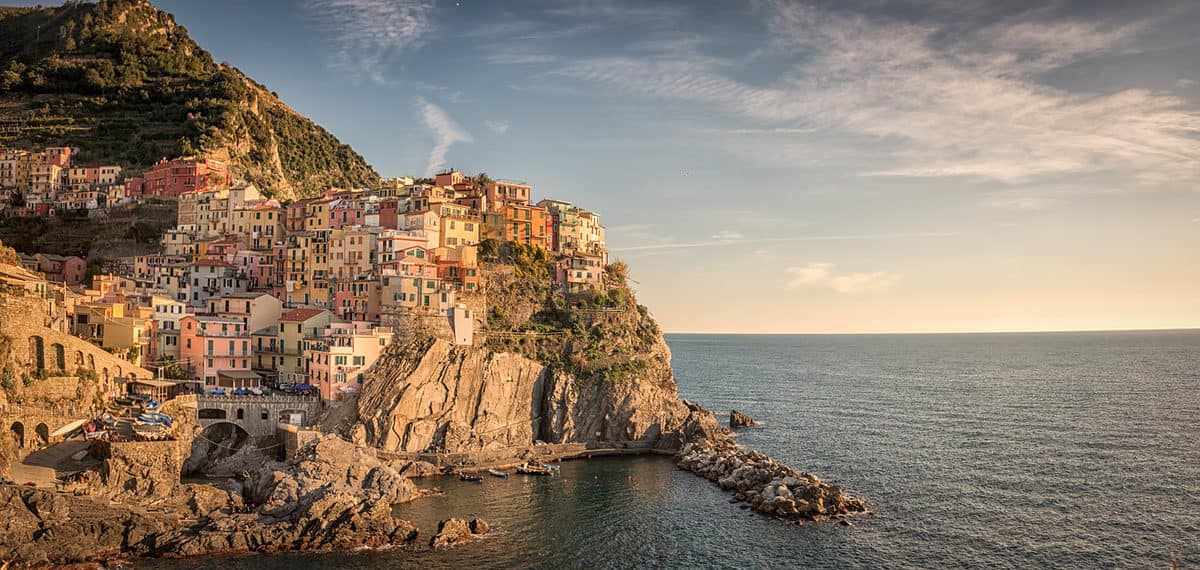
x: 982, y: 451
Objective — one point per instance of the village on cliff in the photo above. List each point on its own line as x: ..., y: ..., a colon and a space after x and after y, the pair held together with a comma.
x: 250, y: 294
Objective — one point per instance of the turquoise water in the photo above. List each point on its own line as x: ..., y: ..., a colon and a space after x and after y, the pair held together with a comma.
x: 983, y: 451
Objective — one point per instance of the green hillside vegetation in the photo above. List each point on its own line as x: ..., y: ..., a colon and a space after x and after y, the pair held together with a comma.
x: 599, y: 336
x: 123, y: 82
x: 134, y: 231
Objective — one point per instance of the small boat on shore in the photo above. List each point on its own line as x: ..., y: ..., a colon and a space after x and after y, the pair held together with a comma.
x: 527, y: 469
x: 552, y: 468
x: 470, y: 477
x: 500, y: 474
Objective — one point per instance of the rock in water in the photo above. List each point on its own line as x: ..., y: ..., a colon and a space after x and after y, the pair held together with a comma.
x: 451, y: 531
x: 738, y: 419
x: 768, y: 486
x: 480, y: 526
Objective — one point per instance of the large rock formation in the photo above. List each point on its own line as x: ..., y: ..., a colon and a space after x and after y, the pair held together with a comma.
x: 333, y: 495
x: 459, y: 399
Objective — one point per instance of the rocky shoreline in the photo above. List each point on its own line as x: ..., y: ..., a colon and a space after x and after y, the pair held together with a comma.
x: 767, y: 486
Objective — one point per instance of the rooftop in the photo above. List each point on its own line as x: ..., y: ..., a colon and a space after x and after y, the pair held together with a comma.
x: 300, y: 315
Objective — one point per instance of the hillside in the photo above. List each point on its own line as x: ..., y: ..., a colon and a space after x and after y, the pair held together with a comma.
x: 123, y: 82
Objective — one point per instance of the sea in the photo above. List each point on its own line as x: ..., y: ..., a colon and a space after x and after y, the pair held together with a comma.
x: 1029, y: 450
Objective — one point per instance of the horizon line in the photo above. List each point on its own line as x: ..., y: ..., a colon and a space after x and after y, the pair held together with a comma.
x: 1007, y: 331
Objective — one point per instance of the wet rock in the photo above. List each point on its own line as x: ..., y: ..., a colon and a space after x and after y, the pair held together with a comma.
x: 480, y: 526
x: 765, y: 485
x: 451, y: 531
x: 740, y: 420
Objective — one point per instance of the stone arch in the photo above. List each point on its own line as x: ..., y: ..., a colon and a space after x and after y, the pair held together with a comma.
x: 37, y: 352
x: 223, y: 439
x: 60, y: 356
x: 43, y: 432
x: 211, y: 414
x: 285, y: 416
x: 91, y: 359
x: 18, y: 431
x: 79, y: 359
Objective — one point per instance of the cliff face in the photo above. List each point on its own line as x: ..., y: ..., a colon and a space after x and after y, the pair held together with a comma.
x: 457, y: 399
x: 588, y: 368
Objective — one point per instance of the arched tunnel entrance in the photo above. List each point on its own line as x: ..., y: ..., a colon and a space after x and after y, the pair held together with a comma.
x: 18, y: 433
x: 43, y: 432
x: 213, y: 445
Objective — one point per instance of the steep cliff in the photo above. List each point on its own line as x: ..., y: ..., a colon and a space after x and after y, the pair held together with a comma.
x: 589, y: 368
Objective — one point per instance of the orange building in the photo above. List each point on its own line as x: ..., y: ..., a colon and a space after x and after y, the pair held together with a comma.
x: 529, y: 225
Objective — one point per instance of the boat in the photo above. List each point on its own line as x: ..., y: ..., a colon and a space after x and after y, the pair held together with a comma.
x: 527, y: 469
x: 499, y: 474
x: 156, y: 418
x: 552, y: 468
x: 102, y: 434
x: 256, y: 391
x: 470, y: 477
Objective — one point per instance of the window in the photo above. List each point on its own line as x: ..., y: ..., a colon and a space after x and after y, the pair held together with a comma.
x: 360, y: 360
x: 265, y: 415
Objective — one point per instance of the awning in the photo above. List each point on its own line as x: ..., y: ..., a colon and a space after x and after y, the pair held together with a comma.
x: 154, y: 383
x: 239, y: 374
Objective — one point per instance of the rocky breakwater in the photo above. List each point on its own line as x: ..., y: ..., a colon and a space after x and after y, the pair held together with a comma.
x: 766, y: 485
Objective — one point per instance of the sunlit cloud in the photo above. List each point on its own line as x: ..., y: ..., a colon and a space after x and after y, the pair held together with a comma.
x: 727, y: 242
x: 928, y: 102
x: 822, y: 274
x: 728, y: 236
x: 445, y: 130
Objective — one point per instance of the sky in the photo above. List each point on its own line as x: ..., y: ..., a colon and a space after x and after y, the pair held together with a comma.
x: 790, y: 166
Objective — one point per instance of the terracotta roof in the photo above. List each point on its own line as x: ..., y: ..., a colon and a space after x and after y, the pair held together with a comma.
x: 300, y: 315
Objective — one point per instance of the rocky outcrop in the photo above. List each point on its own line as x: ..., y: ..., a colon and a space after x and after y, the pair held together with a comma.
x: 332, y: 495
x: 740, y: 420
x: 456, y: 399
x: 766, y: 485
x: 140, y: 469
x: 453, y: 531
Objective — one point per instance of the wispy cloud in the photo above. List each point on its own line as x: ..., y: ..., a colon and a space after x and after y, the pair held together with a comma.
x: 936, y: 99
x: 726, y: 242
x: 368, y: 34
x: 728, y: 236
x: 498, y: 127
x: 445, y: 130
x: 822, y: 274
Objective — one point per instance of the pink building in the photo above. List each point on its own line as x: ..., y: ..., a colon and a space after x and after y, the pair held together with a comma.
x: 338, y: 359
x: 215, y: 347
x: 259, y: 267
x: 358, y: 299
x: 178, y: 176
x: 580, y: 273
x: 345, y: 213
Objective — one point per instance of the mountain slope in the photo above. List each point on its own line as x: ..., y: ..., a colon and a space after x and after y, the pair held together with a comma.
x: 123, y: 82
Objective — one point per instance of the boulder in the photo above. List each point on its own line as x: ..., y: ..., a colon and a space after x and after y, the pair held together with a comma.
x: 451, y: 531
x: 480, y: 526
x: 740, y: 420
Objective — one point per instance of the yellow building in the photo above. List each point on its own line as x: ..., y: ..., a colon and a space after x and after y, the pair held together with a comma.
x: 457, y: 225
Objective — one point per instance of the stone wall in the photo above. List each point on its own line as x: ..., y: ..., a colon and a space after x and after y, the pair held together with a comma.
x: 293, y: 438
x: 28, y: 346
